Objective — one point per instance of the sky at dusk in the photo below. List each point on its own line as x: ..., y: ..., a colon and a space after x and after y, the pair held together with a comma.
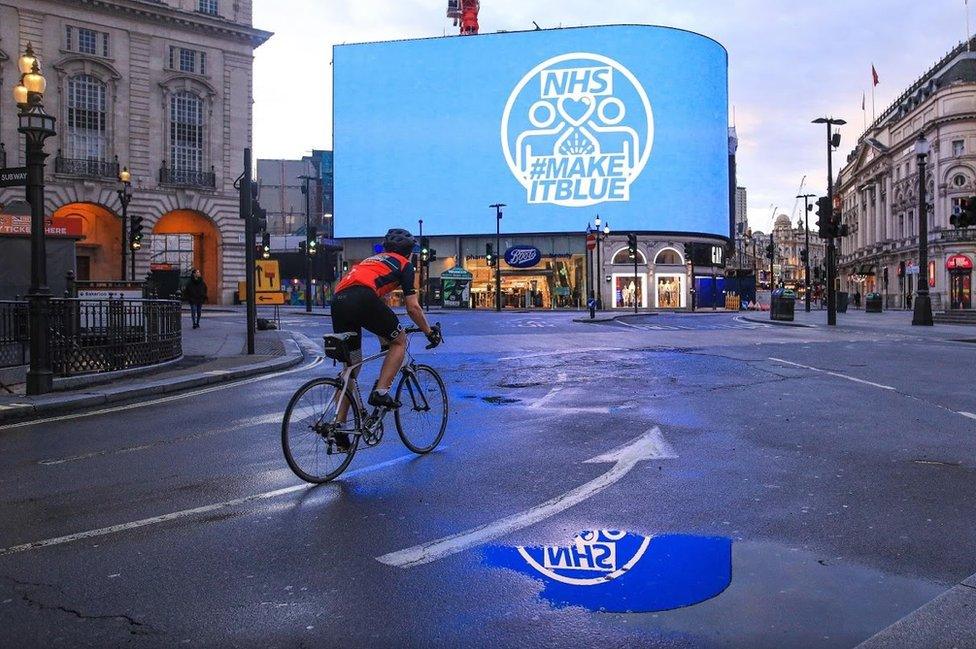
x: 788, y: 63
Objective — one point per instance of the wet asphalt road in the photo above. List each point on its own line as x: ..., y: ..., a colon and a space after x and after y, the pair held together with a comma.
x: 839, y: 463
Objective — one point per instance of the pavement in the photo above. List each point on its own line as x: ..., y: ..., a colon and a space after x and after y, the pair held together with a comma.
x: 214, y: 353
x: 827, y: 472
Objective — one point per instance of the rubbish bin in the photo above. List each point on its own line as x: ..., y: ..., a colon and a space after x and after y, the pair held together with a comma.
x: 782, y: 305
x: 842, y: 297
x: 872, y: 303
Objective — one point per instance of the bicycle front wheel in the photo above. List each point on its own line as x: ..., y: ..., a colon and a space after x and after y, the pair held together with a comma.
x: 312, y: 420
x: 421, y: 418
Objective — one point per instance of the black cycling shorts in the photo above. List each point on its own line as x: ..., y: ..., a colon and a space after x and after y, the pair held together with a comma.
x: 359, y: 307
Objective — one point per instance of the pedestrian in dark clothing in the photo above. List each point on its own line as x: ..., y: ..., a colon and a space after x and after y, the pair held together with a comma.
x: 196, y: 295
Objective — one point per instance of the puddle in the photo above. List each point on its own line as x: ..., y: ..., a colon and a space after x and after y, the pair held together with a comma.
x: 493, y: 399
x: 623, y: 572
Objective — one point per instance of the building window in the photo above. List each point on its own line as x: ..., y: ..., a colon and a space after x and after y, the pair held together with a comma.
x: 86, y: 118
x: 186, y: 131
x: 187, y: 60
x: 958, y: 147
x: 86, y: 41
x: 208, y: 7
x: 959, y: 180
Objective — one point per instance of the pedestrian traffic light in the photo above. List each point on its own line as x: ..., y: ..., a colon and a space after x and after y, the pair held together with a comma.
x: 489, y: 255
x: 266, y: 245
x: 135, y: 233
x: 632, y: 245
x: 424, y: 250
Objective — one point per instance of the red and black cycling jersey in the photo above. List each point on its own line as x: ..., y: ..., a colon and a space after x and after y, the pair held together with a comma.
x: 383, y: 273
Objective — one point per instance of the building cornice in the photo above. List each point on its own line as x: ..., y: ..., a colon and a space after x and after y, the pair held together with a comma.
x: 194, y: 21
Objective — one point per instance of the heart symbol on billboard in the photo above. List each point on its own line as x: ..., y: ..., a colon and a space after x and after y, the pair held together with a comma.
x: 576, y: 111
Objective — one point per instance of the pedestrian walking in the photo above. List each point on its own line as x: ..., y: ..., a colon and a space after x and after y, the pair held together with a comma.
x: 196, y: 295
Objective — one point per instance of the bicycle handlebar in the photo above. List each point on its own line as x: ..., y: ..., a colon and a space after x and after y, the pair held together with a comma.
x: 418, y: 330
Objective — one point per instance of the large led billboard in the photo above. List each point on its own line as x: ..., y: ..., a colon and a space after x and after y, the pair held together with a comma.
x: 625, y: 121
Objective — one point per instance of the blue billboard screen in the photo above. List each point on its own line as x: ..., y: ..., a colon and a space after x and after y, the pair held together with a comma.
x: 628, y: 122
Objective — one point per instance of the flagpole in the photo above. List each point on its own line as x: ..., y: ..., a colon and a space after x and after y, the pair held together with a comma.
x: 969, y: 42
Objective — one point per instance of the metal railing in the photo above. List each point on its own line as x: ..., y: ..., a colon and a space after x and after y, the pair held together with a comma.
x: 187, y: 178
x: 89, y: 336
x: 89, y: 168
x: 14, y: 333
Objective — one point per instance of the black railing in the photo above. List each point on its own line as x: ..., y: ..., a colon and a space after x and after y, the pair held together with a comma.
x: 90, y: 168
x: 89, y: 336
x: 187, y: 178
x: 14, y: 333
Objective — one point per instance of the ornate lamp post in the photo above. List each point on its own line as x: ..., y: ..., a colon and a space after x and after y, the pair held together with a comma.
x: 125, y: 195
x: 923, y: 303
x: 599, y: 245
x: 36, y: 126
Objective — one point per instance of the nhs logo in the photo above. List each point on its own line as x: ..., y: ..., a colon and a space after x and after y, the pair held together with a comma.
x: 577, y: 131
x: 593, y: 557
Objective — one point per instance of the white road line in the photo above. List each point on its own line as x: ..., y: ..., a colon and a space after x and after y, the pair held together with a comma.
x: 174, y: 397
x: 563, y: 353
x: 649, y: 446
x: 187, y: 513
x: 837, y: 374
x: 560, y: 379
x: 966, y: 414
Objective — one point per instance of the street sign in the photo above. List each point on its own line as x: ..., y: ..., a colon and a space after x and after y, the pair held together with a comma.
x: 13, y: 177
x: 591, y: 242
x: 267, y: 276
x: 269, y: 299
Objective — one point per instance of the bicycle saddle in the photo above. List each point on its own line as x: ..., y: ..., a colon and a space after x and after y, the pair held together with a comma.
x: 340, y: 337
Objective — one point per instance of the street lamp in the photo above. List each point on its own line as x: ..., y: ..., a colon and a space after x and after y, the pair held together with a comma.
x: 599, y: 248
x: 833, y: 140
x: 498, y: 251
x: 923, y: 303
x: 125, y: 195
x: 36, y: 126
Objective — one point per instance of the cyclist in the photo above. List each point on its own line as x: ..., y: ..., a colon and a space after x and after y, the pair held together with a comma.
x: 358, y: 305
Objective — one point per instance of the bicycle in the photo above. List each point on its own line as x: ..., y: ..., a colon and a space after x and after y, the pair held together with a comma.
x: 318, y: 411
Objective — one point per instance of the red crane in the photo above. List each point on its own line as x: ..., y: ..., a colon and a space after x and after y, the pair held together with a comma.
x: 465, y: 14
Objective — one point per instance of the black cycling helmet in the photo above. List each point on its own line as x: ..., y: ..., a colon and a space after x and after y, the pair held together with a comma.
x: 399, y: 241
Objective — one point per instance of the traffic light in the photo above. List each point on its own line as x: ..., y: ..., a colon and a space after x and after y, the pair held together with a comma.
x: 135, y: 233
x: 964, y: 214
x: 424, y: 250
x: 258, y: 213
x: 345, y: 267
x: 303, y: 247
x: 770, y: 251
x: 803, y: 256
x: 312, y: 244
x: 632, y: 245
x: 266, y: 245
x: 824, y: 217
x: 432, y: 255
x: 489, y: 255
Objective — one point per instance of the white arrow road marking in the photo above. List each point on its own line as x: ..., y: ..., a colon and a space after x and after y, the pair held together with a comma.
x: 187, y: 513
x: 650, y: 446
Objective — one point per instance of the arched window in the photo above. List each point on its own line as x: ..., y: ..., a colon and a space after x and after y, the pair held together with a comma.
x: 622, y: 256
x: 668, y: 257
x: 87, y: 138
x: 186, y: 131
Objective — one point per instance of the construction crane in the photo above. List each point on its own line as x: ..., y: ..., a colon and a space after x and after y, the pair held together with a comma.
x: 465, y: 14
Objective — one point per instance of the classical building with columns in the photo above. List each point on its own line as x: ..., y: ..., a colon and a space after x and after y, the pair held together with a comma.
x: 789, y: 242
x: 160, y: 87
x: 878, y: 190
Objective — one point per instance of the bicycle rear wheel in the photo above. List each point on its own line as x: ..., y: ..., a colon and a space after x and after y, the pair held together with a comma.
x: 309, y: 427
x: 421, y: 418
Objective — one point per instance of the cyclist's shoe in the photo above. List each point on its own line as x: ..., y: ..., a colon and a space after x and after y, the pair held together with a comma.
x: 341, y: 442
x: 383, y: 400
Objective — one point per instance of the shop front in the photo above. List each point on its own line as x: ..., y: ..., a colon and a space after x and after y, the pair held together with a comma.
x: 529, y: 280
x: 960, y: 268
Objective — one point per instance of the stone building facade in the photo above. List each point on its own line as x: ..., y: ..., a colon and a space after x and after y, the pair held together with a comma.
x: 160, y: 87
x: 878, y: 190
x: 789, y: 242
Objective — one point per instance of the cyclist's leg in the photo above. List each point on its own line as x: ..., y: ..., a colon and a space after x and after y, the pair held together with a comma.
x: 397, y: 349
x: 381, y: 320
